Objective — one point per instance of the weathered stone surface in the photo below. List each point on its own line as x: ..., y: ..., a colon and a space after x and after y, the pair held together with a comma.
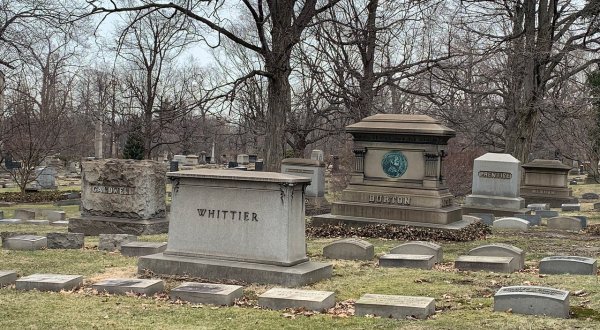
x: 113, y: 242
x: 397, y: 307
x: 62, y: 223
x: 49, y: 282
x: 590, y: 195
x: 24, y: 214
x: 565, y: 223
x: 136, y: 249
x: 597, y: 206
x: 568, y: 265
x: 207, y: 293
x: 511, y: 223
x: 532, y: 300
x: 501, y: 250
x: 490, y: 264
x: 65, y: 240
x: 308, y: 168
x: 38, y: 222
x: 7, y: 234
x: 94, y: 226
x: 583, y: 220
x: 545, y: 181
x: 1, y: 215
x: 124, y: 285
x: 547, y: 214
x: 533, y: 219
x: 571, y: 207
x: 25, y: 242
x: 420, y: 248
x: 123, y: 188
x: 11, y: 222
x: 281, y: 298
x: 488, y: 218
x: 7, y: 277
x: 539, y: 207
x: 56, y: 215
x: 471, y: 219
x: 407, y: 261
x: 349, y: 249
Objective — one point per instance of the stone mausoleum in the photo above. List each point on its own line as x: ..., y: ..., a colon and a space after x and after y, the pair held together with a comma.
x: 397, y: 175
x: 545, y: 181
x: 122, y: 196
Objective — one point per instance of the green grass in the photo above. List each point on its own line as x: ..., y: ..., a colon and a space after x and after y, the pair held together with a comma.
x: 464, y: 300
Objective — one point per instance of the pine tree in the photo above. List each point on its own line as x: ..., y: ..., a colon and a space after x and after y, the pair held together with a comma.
x: 134, y: 146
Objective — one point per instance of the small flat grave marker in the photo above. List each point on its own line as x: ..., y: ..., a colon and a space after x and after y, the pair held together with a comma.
x: 533, y: 219
x: 124, y: 285
x: 61, y: 223
x: 49, y: 282
x: 281, y: 298
x: 491, y: 264
x: 56, y: 215
x: 597, y: 206
x: 136, y: 249
x: 488, y: 218
x: 7, y: 277
x: 501, y: 250
x: 407, y: 261
x: 539, y: 207
x: 569, y: 265
x: 398, y: 307
x: 349, y: 249
x: 547, y: 214
x: 511, y: 223
x: 565, y: 223
x: 532, y: 300
x: 420, y: 248
x: 11, y: 221
x: 25, y: 242
x: 113, y: 242
x: 24, y: 214
x: 65, y: 240
x: 38, y: 222
x: 207, y: 293
x: 571, y: 207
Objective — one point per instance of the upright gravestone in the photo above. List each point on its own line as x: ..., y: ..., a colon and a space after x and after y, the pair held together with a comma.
x: 545, y: 181
x: 308, y: 168
x: 46, y: 177
x: 496, y: 186
x: 120, y: 196
x: 317, y: 155
x: 237, y: 225
x: 397, y: 175
x: 243, y: 159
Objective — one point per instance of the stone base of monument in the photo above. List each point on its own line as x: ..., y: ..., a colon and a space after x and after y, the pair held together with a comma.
x: 331, y: 219
x: 552, y: 201
x: 217, y: 269
x: 96, y: 225
x: 496, y: 211
x: 316, y: 205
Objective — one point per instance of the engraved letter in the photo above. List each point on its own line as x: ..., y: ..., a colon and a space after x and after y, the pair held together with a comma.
x: 371, y: 198
x: 233, y: 215
x: 201, y: 212
x: 224, y: 214
x: 254, y: 217
x: 246, y: 216
x: 211, y: 213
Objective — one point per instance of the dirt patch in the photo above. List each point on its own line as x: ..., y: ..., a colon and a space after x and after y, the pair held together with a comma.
x: 114, y: 272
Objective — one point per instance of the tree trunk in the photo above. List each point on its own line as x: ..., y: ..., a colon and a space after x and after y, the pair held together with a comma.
x: 279, y: 104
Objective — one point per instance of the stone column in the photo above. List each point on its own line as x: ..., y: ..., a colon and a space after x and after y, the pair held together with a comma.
x: 431, y: 165
x: 359, y: 159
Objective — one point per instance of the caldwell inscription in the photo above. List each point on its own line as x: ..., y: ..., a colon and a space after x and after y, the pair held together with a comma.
x: 113, y: 190
x: 228, y: 214
x: 381, y: 199
x: 495, y: 175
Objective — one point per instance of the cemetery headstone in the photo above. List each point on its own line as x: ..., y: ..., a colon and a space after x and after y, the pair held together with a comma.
x: 397, y: 307
x: 570, y: 207
x: 501, y: 250
x: 282, y: 298
x: 1, y: 215
x: 573, y: 183
x: 471, y: 218
x: 397, y: 175
x: 202, y: 159
x: 533, y: 219
x: 486, y: 263
x: 25, y: 242
x: 538, y: 207
x: 597, y: 206
x: 11, y: 221
x: 487, y: 218
x: 308, y: 168
x: 243, y: 159
x: 335, y: 167
x: 207, y: 293
x: 122, y: 196
x: 65, y: 240
x: 349, y: 249
x: 545, y: 181
x: 218, y: 223
x: 24, y: 214
x: 113, y: 242
x: 38, y: 222
x: 56, y: 215
x: 583, y: 220
x: 232, y: 165
x: 179, y: 158
x: 191, y: 160
x: 420, y: 248
x: 317, y: 155
x: 62, y: 223
x: 511, y: 223
x: 258, y: 165
x: 407, y: 261
x: 173, y: 166
x: 46, y: 177
x: 252, y: 158
x: 590, y: 195
x: 136, y: 249
x: 7, y: 277
x: 49, y: 282
x: 547, y: 214
x: 565, y: 223
x: 122, y: 286
x: 568, y: 265
x: 496, y: 186
x: 532, y: 300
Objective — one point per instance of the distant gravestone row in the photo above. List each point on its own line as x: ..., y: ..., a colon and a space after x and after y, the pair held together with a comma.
x: 23, y: 216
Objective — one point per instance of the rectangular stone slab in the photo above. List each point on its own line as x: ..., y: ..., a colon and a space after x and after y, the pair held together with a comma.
x: 25, y: 242
x: 24, y: 214
x: 281, y: 298
x: 349, y: 249
x: 49, y: 282
x: 7, y: 277
x: 38, y: 222
x: 491, y: 264
x: 398, y: 307
x: 207, y: 293
x: 136, y: 249
x: 547, y: 214
x: 571, y: 207
x: 61, y: 223
x: 532, y: 300
x: 124, y: 285
x: 11, y: 221
x: 407, y: 261
x: 568, y: 265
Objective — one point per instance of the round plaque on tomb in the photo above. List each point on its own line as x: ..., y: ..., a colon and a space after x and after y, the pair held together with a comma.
x: 394, y: 164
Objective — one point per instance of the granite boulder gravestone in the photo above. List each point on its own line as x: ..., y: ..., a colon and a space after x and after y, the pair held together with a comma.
x: 496, y: 186
x: 565, y: 223
x: 121, y: 196
x: 349, y: 249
